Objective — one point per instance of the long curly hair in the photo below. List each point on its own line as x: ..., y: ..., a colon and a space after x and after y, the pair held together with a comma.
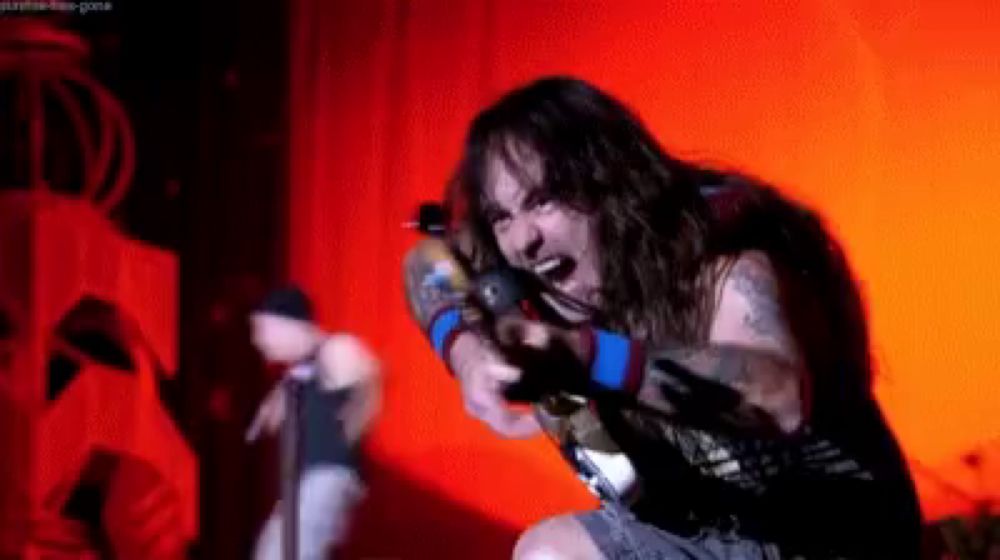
x: 597, y: 157
x: 661, y: 236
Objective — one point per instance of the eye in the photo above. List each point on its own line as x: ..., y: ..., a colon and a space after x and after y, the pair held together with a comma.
x: 541, y: 200
x: 500, y: 224
x: 498, y: 219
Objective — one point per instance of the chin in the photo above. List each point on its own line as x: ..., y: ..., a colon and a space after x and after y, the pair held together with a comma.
x: 272, y: 358
x: 275, y: 357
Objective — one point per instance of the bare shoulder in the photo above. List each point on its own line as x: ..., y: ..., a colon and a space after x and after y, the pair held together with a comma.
x: 347, y: 359
x: 752, y: 276
x: 749, y: 311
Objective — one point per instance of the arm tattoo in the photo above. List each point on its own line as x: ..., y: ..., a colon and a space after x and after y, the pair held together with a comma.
x: 760, y: 289
x: 752, y: 382
x: 725, y: 384
x: 432, y: 280
x: 733, y: 366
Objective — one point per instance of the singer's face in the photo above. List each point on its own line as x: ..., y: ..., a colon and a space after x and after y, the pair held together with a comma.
x: 555, y: 242
x: 280, y: 339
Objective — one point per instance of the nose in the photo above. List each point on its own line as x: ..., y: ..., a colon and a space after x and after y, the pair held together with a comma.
x: 526, y: 239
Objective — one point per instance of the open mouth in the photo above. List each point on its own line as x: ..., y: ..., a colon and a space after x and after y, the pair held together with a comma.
x: 555, y: 270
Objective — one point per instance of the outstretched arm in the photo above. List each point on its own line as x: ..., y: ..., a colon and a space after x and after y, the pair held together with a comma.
x: 751, y: 357
x: 748, y: 376
x: 435, y: 288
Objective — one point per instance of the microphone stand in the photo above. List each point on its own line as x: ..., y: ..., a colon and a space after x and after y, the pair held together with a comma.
x: 290, y: 470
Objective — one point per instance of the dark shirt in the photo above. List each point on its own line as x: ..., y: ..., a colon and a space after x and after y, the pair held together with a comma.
x: 838, y: 489
x: 321, y: 438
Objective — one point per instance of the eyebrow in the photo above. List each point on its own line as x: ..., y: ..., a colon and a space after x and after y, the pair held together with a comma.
x: 491, y: 208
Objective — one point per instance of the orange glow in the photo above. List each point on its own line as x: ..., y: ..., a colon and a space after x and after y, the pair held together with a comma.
x: 884, y: 118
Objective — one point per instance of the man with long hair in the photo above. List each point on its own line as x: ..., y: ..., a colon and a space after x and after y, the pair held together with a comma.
x: 711, y: 325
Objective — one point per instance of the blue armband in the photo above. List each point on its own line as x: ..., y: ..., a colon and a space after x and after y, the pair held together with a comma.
x: 617, y: 361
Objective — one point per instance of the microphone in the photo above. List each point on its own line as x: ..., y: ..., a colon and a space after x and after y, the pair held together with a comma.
x: 431, y: 219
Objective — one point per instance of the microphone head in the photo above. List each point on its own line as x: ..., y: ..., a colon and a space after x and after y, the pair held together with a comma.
x: 498, y: 291
x: 431, y: 219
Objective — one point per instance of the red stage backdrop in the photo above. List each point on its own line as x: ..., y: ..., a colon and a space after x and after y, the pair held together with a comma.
x: 884, y: 118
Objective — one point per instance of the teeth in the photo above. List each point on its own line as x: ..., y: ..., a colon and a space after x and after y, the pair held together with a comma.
x: 547, y: 266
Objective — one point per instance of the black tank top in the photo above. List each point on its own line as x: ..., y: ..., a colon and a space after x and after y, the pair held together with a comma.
x: 840, y: 488
x: 321, y: 431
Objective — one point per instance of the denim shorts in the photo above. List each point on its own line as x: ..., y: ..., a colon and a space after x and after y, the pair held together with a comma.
x: 620, y: 536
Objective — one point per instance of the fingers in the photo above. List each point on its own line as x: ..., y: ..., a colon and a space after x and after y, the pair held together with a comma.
x: 517, y: 331
x: 253, y: 432
x: 479, y: 364
x: 516, y: 424
x: 492, y: 411
x: 485, y: 402
x: 509, y: 330
x: 484, y: 375
x: 256, y: 427
x: 260, y: 425
x: 274, y: 418
x: 499, y: 372
x: 269, y: 417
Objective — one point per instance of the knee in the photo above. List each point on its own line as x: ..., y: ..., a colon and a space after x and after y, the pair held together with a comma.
x: 532, y: 546
x: 561, y: 538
